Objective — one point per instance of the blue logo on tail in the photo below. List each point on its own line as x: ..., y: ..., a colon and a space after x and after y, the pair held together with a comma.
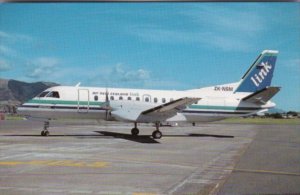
x: 260, y: 74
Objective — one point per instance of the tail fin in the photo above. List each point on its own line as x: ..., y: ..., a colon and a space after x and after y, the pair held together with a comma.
x: 259, y: 75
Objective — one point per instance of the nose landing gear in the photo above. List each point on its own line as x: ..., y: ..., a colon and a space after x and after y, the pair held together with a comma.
x: 45, y: 132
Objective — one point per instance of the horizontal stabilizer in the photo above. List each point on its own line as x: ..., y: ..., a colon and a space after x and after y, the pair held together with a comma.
x: 262, y: 96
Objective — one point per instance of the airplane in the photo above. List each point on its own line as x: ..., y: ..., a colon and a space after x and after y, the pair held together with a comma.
x: 249, y: 96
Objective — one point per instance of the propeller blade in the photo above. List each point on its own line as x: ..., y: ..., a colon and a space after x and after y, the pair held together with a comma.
x: 107, y: 105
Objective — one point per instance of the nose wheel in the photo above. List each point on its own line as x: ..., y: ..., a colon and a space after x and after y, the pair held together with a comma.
x: 45, y: 132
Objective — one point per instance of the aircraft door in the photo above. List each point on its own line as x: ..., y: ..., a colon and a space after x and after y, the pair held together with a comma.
x: 83, y: 101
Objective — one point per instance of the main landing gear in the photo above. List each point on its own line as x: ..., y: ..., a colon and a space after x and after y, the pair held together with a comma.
x: 135, y: 131
x: 45, y: 132
x: 156, y: 134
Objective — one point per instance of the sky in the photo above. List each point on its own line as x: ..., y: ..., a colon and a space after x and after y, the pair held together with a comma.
x: 174, y: 46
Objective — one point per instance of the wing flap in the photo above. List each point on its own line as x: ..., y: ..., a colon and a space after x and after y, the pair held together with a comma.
x: 262, y: 96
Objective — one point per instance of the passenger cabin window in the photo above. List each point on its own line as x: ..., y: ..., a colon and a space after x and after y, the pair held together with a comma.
x: 155, y: 100
x: 111, y: 97
x: 129, y: 98
x: 53, y: 94
x: 146, y: 99
x: 43, y: 94
x: 137, y: 98
x: 163, y: 100
x: 96, y: 98
x: 120, y: 98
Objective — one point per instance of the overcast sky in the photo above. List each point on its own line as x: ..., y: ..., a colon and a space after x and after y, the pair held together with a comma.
x: 150, y: 45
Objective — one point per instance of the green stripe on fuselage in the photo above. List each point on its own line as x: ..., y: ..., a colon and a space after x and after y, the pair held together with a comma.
x: 219, y: 107
x: 92, y: 103
x: 66, y: 102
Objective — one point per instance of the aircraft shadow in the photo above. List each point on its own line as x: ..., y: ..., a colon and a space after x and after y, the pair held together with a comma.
x: 102, y: 134
x: 140, y: 139
x: 149, y: 139
x: 201, y: 135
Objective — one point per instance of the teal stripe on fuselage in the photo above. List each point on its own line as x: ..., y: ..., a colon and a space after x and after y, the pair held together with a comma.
x: 205, y: 107
x: 93, y: 103
x: 65, y: 102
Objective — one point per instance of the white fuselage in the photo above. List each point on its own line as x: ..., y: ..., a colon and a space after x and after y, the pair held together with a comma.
x: 217, y: 102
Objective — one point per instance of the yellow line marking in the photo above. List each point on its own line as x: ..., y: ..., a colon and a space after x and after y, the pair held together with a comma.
x: 267, y: 171
x: 11, y: 163
x: 67, y: 163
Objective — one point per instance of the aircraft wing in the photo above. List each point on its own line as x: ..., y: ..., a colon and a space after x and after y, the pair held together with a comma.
x: 262, y: 96
x: 173, y: 106
x: 141, y: 112
x: 167, y: 110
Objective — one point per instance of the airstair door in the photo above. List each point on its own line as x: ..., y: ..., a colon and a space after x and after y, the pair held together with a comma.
x: 83, y: 101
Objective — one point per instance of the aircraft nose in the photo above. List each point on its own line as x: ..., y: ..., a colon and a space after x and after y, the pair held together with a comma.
x: 18, y: 110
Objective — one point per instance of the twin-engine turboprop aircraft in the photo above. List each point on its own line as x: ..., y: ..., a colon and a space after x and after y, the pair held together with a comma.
x: 250, y: 95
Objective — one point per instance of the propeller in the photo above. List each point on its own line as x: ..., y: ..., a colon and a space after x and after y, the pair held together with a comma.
x: 107, y: 105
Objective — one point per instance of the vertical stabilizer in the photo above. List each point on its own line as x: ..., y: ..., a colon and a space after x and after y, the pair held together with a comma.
x: 259, y: 75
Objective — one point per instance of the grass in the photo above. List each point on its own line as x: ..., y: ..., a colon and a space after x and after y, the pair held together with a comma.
x: 13, y: 117
x: 295, y: 121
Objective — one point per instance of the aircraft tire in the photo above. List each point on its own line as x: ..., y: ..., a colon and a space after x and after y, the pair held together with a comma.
x: 156, y: 134
x: 135, y: 131
x: 46, y: 133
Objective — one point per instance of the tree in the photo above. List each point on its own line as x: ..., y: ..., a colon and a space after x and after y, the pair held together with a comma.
x: 292, y: 113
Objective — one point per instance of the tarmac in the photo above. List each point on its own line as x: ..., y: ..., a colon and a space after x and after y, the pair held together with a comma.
x: 91, y: 158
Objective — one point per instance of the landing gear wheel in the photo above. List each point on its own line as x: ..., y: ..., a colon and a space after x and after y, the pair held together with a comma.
x: 156, y: 134
x: 135, y: 131
x: 45, y: 133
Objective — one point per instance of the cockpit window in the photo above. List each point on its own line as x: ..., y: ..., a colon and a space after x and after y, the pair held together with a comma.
x: 43, y: 94
x: 53, y: 94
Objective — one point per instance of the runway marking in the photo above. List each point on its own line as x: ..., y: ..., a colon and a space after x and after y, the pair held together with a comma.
x: 67, y: 163
x: 16, y: 155
x: 267, y: 171
x: 80, y: 191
